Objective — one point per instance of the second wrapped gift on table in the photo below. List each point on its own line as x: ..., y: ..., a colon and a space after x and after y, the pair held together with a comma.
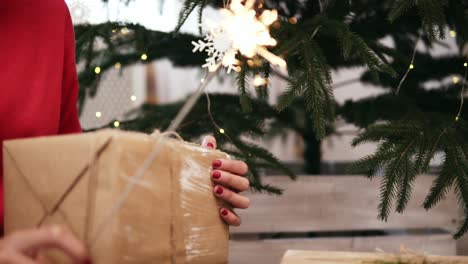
x: 170, y: 216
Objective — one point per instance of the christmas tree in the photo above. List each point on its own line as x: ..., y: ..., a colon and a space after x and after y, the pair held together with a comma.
x: 410, y: 122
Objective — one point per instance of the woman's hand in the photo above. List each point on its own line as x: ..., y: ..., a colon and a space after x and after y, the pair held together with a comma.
x: 23, y: 247
x: 229, y: 179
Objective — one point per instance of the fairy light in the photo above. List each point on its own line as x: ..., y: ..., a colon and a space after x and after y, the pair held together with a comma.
x: 202, y: 80
x: 117, y: 65
x: 455, y: 79
x: 465, y: 64
x: 144, y: 57
x: 116, y: 123
x: 453, y: 33
x: 97, y: 70
x: 411, y: 66
x: 133, y: 98
x: 124, y: 31
x: 98, y: 114
x: 221, y: 131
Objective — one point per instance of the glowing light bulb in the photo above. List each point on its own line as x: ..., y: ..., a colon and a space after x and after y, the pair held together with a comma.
x: 116, y: 124
x: 117, y: 65
x: 411, y: 66
x: 465, y: 64
x: 98, y: 114
x: 125, y: 31
x: 133, y: 98
x: 97, y: 70
x: 144, y: 57
x: 457, y: 118
x: 455, y: 79
x: 453, y: 33
x: 221, y: 131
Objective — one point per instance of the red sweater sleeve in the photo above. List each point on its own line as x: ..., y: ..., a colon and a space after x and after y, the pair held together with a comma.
x: 69, y: 122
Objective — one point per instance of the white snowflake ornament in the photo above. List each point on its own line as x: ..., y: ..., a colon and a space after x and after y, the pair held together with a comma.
x: 239, y: 32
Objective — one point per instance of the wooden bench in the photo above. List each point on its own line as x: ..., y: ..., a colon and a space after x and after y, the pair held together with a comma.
x: 340, y: 213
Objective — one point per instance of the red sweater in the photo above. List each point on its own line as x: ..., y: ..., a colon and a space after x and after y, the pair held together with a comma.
x: 38, y: 81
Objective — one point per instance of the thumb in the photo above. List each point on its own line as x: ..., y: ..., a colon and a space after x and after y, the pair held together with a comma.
x: 209, y: 142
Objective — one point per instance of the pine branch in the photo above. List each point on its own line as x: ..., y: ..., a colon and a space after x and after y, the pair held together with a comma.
x: 441, y: 184
x: 399, y: 8
x: 393, y: 171
x: 405, y: 149
x: 461, y: 186
x: 293, y: 89
x: 405, y: 185
x: 187, y: 9
x: 243, y: 85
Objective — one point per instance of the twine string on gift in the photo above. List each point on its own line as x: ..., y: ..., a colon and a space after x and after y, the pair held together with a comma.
x: 405, y: 253
x: 139, y: 174
x: 72, y: 186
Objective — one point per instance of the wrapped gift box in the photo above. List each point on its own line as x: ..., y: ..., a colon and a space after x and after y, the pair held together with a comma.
x: 171, y: 215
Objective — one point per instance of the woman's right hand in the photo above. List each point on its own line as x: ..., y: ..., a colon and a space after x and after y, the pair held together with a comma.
x: 23, y: 247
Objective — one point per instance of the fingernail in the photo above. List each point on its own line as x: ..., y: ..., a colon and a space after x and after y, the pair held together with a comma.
x: 210, y: 145
x: 216, y: 174
x: 216, y: 164
x: 88, y: 261
x: 219, y: 190
x: 224, y: 212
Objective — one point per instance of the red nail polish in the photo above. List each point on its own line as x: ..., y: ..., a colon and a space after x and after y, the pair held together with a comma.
x: 224, y: 212
x: 219, y: 190
x: 216, y: 174
x: 216, y: 164
x: 88, y: 261
x: 210, y: 145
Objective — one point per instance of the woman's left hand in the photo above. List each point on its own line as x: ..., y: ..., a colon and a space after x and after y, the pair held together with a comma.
x: 230, y: 181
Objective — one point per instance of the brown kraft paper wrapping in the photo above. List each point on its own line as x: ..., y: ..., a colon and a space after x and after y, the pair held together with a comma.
x: 74, y: 181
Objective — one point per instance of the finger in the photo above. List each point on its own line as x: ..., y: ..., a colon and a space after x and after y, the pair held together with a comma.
x: 50, y: 237
x: 233, y: 166
x: 236, y: 200
x: 229, y: 217
x: 209, y: 142
x: 14, y: 257
x: 230, y: 180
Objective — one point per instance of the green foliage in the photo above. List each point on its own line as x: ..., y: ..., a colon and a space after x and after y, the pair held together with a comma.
x: 188, y: 7
x: 243, y: 83
x: 432, y: 13
x: 405, y: 149
x: 411, y: 128
x: 151, y: 117
x: 126, y: 49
